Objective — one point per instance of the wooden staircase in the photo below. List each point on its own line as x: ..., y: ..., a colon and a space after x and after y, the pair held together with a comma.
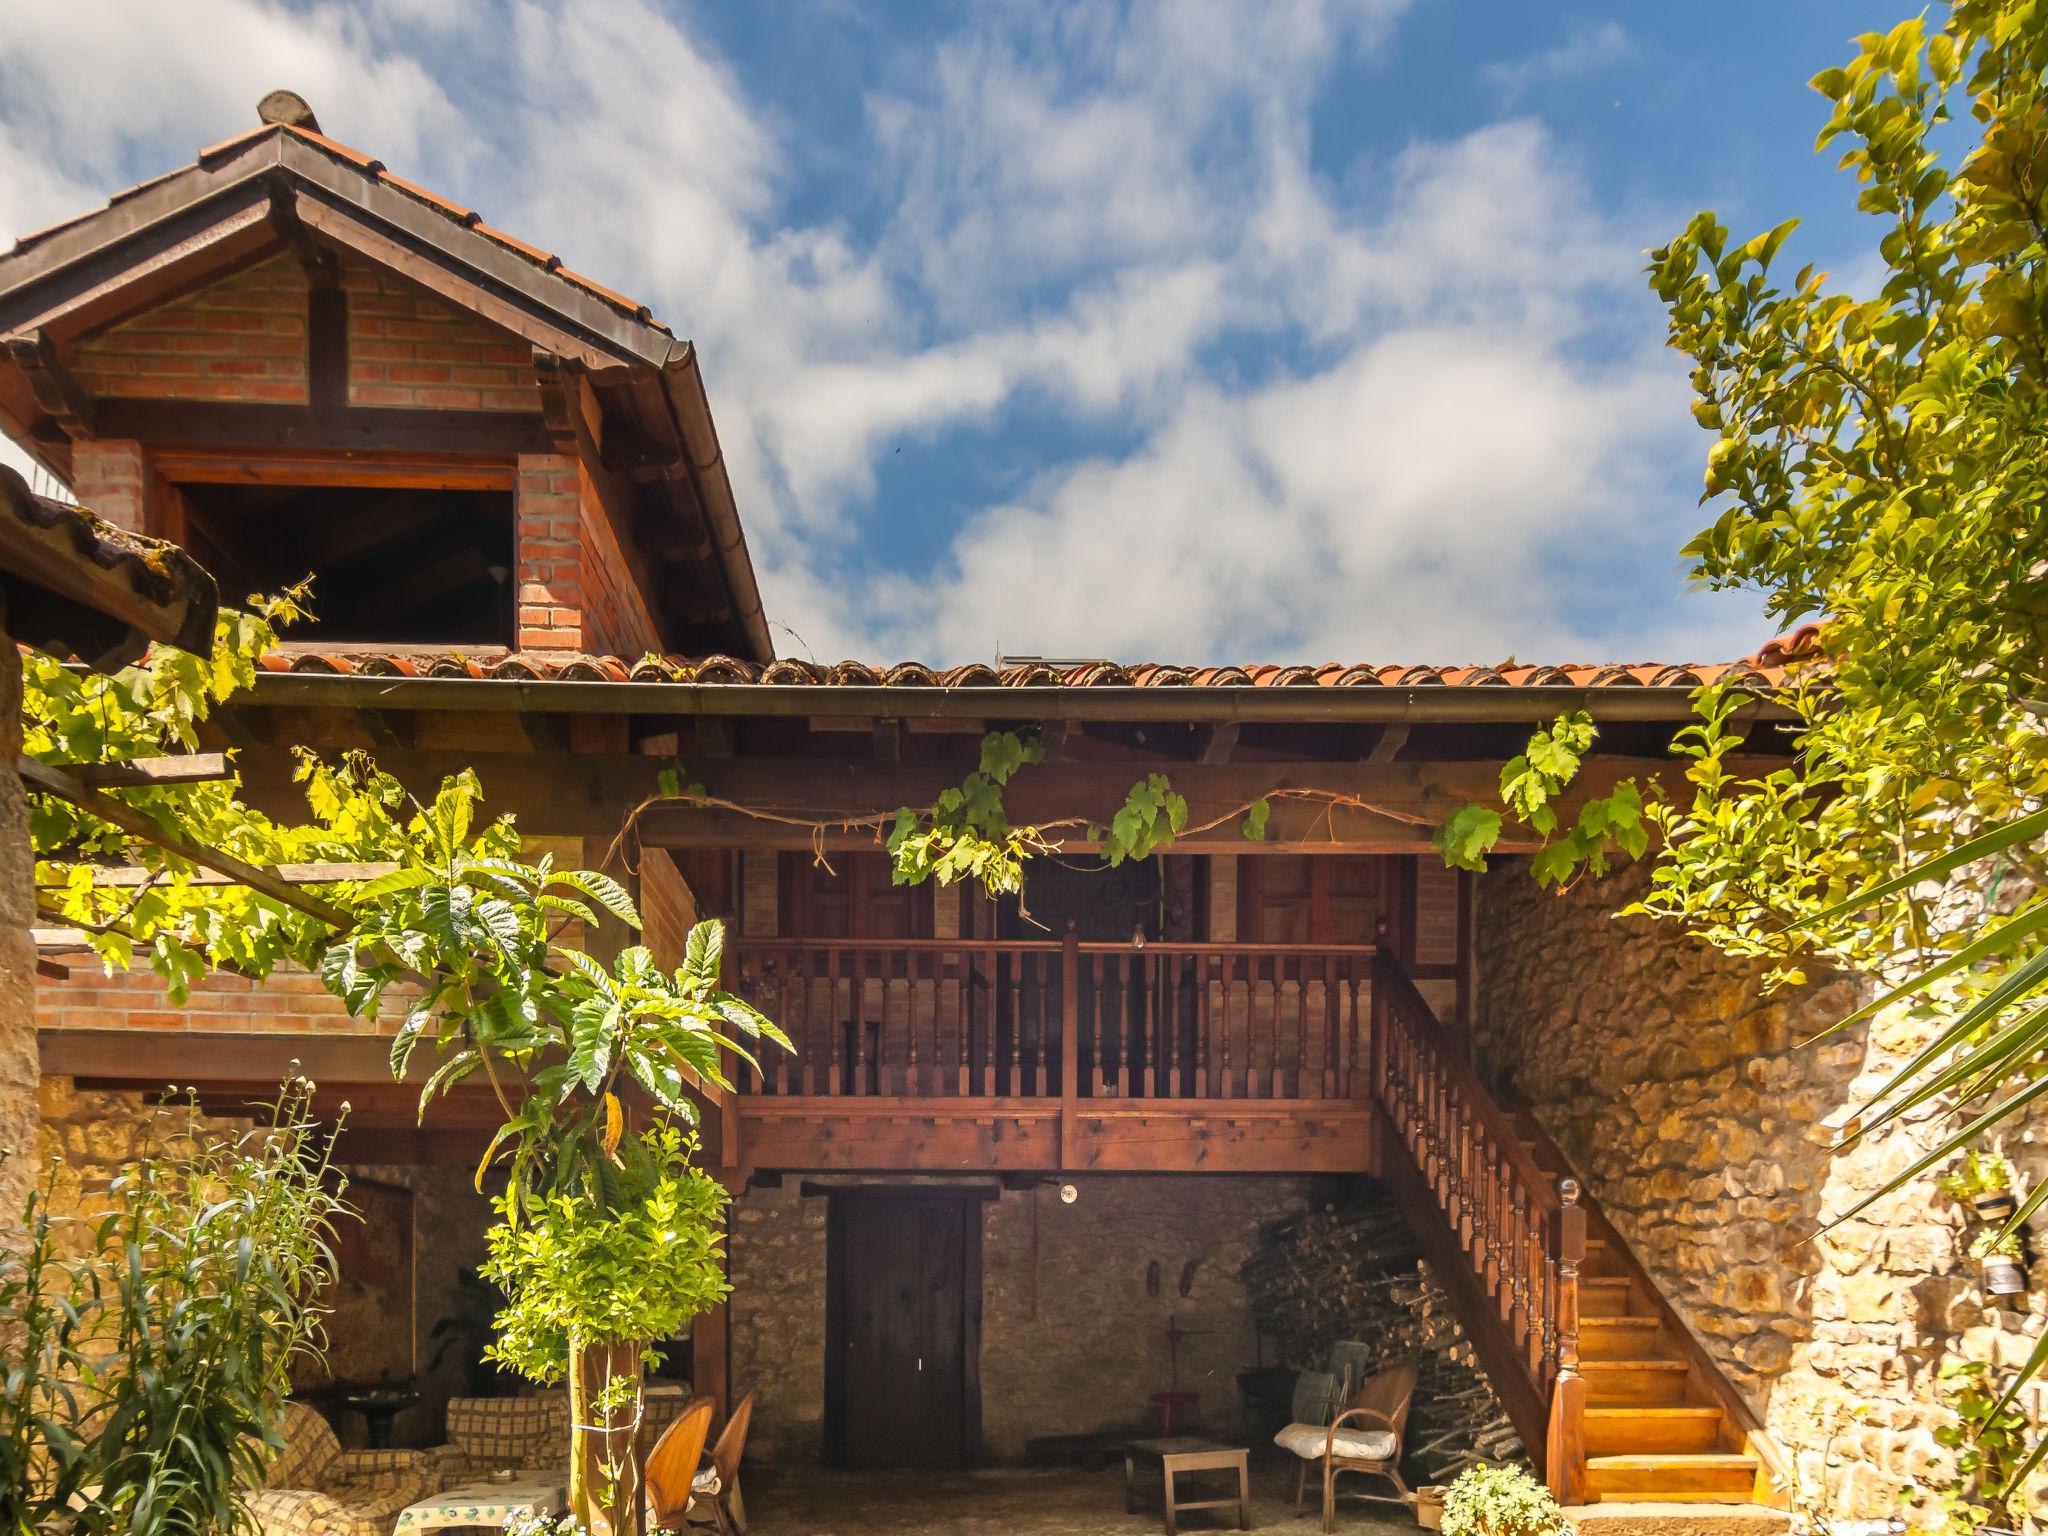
x: 1661, y: 1422
x: 1615, y: 1399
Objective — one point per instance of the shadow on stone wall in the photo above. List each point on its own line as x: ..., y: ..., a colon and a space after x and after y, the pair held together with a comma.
x: 1706, y: 1127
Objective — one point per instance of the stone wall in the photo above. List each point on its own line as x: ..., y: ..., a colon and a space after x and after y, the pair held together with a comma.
x: 88, y: 1137
x: 1706, y: 1129
x: 18, y: 1063
x: 1076, y: 1345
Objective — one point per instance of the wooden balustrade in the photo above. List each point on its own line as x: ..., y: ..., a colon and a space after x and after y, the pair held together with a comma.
x: 1520, y: 1237
x: 938, y: 1018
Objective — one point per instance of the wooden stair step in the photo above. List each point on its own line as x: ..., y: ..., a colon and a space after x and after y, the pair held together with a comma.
x: 1608, y: 1296
x: 1682, y: 1477
x: 1635, y: 1381
x: 1646, y: 1429
x: 1624, y: 1337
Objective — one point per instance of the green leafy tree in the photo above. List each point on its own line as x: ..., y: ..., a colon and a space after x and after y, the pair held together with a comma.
x: 1879, y: 469
x: 489, y: 955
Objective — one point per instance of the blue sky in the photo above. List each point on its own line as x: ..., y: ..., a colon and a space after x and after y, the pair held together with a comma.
x: 1297, y: 329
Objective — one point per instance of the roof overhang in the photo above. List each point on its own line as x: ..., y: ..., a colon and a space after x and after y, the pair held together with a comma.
x: 75, y: 586
x: 1194, y: 705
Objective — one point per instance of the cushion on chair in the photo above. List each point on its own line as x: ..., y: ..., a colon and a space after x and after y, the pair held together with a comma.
x: 1308, y: 1440
x: 303, y: 1512
x: 515, y: 1432
x: 310, y: 1450
x: 705, y: 1484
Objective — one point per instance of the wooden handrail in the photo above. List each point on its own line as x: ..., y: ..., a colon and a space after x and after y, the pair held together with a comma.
x: 1518, y: 1238
x: 974, y: 1016
x: 783, y: 942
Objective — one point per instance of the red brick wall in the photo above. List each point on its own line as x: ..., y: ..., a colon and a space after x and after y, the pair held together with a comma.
x: 667, y: 908
x: 409, y: 348
x: 575, y: 592
x: 109, y: 476
x: 290, y: 1002
x: 242, y: 338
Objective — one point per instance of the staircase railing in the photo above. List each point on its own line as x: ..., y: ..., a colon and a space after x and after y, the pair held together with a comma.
x: 1514, y: 1237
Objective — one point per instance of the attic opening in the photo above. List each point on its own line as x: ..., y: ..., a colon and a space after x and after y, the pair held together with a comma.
x: 417, y: 566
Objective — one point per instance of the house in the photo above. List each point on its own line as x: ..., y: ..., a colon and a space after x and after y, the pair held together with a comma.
x: 1077, y: 1130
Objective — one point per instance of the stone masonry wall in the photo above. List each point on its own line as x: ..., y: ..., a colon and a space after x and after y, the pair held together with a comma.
x: 1706, y: 1130
x: 88, y: 1137
x: 18, y: 1064
x: 1091, y: 1353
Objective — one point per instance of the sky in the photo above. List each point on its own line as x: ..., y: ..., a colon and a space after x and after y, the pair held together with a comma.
x: 1201, y: 331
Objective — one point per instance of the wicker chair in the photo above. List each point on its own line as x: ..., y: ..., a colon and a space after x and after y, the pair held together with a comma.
x: 1365, y: 1438
x: 315, y: 1488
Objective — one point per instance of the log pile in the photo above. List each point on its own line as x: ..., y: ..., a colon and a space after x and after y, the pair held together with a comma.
x: 1350, y: 1268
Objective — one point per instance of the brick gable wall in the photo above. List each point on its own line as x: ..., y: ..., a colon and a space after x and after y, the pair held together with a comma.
x: 242, y: 338
x: 408, y: 348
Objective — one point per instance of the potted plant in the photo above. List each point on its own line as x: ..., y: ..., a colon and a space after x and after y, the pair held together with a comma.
x: 1429, y: 1506
x: 1987, y: 1181
x: 1501, y: 1501
x: 1999, y: 1252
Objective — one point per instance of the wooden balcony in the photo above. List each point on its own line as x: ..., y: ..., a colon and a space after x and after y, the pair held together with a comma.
x: 1001, y: 1055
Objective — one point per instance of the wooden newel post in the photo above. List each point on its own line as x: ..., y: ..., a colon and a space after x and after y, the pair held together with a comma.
x: 1070, y: 1041
x: 1564, y: 1447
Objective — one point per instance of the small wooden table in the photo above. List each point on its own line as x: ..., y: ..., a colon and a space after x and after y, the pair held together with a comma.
x: 1187, y: 1453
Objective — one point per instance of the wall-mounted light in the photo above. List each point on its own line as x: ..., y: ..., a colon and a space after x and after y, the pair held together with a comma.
x: 1069, y: 1194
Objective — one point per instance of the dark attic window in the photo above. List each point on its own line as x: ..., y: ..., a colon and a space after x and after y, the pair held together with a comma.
x: 418, y: 567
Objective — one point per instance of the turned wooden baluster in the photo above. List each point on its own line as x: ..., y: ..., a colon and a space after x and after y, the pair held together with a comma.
x: 1564, y: 1446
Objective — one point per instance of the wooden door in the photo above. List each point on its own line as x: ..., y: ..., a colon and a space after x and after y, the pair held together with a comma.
x: 1324, y: 899
x: 903, y: 1278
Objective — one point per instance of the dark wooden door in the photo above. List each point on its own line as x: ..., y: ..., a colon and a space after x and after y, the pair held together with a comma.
x: 902, y: 1388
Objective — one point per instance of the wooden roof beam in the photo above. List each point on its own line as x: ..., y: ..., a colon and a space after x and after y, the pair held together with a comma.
x: 56, y: 390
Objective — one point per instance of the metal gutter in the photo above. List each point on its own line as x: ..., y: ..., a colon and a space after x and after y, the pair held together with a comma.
x: 682, y: 381
x: 1243, y: 704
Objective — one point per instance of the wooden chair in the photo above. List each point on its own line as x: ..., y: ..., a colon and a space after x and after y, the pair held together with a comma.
x: 1366, y: 1438
x: 718, y: 1486
x: 672, y: 1465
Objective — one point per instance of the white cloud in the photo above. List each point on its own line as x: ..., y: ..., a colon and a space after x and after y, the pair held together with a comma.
x: 1585, y: 50
x: 1366, y: 422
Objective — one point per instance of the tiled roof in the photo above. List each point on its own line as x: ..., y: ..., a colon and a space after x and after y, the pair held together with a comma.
x: 154, y: 588
x: 532, y: 666
x: 368, y: 165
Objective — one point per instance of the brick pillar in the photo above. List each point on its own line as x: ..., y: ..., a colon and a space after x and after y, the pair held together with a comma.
x: 110, y: 477
x: 19, y: 1064
x: 549, y: 532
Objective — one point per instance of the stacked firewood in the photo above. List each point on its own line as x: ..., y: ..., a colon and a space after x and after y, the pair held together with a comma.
x: 1350, y: 1268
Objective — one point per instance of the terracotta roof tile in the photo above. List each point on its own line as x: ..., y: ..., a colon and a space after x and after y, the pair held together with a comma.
x: 548, y: 666
x: 369, y: 165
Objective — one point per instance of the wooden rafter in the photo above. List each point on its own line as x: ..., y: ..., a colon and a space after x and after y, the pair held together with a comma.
x: 65, y: 786
x: 57, y: 391
x: 121, y: 876
x: 141, y: 772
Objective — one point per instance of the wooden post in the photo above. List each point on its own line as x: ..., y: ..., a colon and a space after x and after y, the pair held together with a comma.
x: 1564, y: 1445
x: 711, y: 1332
x: 1070, y: 1042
